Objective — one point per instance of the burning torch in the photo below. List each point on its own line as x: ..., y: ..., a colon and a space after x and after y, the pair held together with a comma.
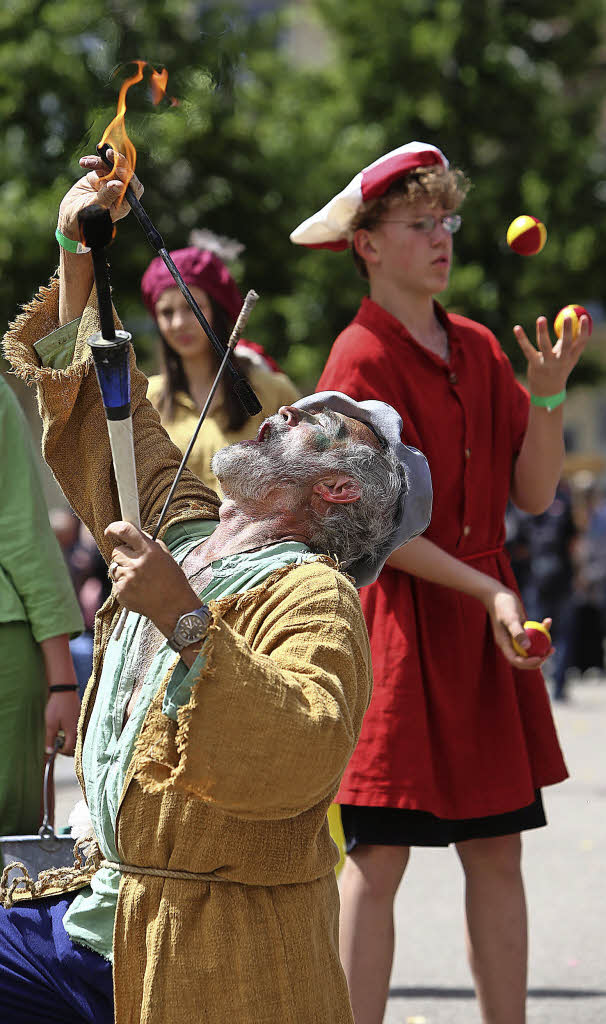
x: 117, y: 128
x: 111, y: 348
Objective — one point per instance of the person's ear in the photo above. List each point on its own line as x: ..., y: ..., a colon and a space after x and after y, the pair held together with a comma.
x: 365, y: 246
x: 338, y: 490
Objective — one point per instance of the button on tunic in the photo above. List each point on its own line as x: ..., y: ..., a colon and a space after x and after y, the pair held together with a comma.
x: 452, y: 728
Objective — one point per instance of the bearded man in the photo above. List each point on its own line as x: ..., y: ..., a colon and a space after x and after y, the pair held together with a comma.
x: 215, y: 730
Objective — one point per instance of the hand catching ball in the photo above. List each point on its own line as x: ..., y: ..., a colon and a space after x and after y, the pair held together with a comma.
x: 526, y: 235
x: 540, y: 641
x: 574, y: 313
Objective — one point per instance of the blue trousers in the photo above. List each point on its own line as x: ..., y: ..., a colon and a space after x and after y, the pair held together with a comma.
x: 45, y: 978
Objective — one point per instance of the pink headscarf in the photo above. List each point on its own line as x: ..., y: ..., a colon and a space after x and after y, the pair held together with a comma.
x: 198, y: 267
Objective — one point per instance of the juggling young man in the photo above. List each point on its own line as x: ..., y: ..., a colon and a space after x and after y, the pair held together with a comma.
x: 459, y: 739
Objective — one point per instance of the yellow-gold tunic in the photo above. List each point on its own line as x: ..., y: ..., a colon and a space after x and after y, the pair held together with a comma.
x: 239, y: 786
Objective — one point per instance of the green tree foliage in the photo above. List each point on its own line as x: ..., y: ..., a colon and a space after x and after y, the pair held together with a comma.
x: 268, y: 129
x: 513, y: 93
x: 61, y: 65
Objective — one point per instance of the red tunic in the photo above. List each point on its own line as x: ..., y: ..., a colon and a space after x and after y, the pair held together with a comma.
x: 452, y: 728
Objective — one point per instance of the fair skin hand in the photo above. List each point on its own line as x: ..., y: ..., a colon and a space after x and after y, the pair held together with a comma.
x: 76, y: 271
x: 149, y: 581
x: 62, y: 709
x: 539, y: 464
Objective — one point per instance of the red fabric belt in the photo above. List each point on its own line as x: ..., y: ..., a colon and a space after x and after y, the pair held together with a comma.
x: 480, y: 554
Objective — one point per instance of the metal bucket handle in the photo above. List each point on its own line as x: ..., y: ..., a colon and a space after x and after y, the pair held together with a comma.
x: 46, y: 830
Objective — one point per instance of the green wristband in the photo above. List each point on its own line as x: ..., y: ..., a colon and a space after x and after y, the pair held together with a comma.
x: 548, y: 402
x: 69, y: 244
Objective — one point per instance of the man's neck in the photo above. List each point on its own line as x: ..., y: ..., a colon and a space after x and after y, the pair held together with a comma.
x: 248, y: 528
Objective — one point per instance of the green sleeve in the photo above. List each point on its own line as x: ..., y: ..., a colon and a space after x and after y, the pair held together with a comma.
x: 57, y: 348
x: 30, y: 556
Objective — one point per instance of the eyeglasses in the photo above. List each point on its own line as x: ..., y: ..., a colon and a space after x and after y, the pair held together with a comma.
x: 451, y: 222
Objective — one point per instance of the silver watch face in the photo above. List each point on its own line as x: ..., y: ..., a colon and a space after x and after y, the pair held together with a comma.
x: 190, y: 627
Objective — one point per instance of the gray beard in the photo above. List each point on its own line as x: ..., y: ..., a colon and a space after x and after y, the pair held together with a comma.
x: 250, y: 472
x: 242, y: 472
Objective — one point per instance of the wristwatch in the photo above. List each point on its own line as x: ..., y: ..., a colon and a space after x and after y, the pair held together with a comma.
x: 190, y: 627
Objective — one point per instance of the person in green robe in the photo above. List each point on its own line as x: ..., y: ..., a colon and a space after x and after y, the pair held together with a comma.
x: 38, y: 613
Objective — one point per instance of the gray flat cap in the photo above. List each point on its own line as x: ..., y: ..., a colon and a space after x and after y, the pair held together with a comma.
x: 415, y: 508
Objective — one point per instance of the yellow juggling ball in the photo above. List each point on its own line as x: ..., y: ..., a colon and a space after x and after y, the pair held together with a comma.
x: 573, y: 312
x: 526, y: 235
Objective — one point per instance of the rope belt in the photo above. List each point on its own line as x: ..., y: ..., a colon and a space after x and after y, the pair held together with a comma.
x: 187, y: 876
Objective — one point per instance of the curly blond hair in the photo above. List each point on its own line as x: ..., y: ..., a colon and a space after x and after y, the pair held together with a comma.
x: 435, y: 185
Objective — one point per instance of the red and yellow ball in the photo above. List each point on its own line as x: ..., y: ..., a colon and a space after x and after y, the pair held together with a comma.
x: 574, y: 312
x: 526, y: 235
x: 540, y: 641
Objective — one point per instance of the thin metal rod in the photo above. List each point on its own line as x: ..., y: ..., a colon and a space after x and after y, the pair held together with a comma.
x: 241, y: 386
x: 249, y: 304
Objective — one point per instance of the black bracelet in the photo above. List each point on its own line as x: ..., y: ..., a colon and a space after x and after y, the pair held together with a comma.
x: 63, y: 688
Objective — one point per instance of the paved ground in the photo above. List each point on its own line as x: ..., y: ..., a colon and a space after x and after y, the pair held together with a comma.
x: 564, y: 865
x: 564, y: 868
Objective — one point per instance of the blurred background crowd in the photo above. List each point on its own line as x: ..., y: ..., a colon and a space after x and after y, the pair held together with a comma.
x: 559, y: 559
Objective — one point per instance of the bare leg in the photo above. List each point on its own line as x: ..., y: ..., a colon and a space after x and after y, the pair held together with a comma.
x: 369, y: 882
x: 496, y: 926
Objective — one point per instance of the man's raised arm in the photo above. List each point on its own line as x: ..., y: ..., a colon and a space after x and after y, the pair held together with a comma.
x: 75, y: 441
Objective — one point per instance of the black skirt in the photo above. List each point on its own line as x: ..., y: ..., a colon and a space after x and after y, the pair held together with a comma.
x: 396, y: 826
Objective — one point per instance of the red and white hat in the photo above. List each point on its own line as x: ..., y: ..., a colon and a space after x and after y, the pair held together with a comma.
x: 330, y: 228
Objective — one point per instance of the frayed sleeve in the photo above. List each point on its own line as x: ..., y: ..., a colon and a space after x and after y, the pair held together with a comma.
x: 75, y: 441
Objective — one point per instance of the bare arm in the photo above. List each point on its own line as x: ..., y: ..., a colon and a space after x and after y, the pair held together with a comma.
x: 539, y: 464
x: 423, y: 558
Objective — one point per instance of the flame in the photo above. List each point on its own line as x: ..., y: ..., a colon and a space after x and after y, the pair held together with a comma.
x: 158, y: 85
x: 115, y: 135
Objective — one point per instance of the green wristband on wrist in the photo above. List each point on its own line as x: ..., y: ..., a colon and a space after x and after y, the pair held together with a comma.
x: 548, y: 402
x: 69, y: 244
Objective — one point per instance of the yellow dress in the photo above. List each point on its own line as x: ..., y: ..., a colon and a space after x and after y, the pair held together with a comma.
x: 240, y: 785
x: 272, y: 389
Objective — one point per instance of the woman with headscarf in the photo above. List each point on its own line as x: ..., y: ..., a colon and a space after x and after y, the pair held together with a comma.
x: 190, y: 361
